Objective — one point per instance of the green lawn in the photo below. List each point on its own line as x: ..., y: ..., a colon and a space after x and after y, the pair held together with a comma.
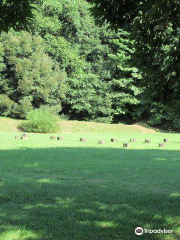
x: 9, y: 125
x: 70, y: 190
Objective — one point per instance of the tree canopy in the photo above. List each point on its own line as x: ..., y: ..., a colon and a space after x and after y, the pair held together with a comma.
x: 15, y: 13
x: 123, y: 12
x: 126, y: 68
x: 155, y: 27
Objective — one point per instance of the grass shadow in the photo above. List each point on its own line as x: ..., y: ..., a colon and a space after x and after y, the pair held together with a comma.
x: 88, y: 193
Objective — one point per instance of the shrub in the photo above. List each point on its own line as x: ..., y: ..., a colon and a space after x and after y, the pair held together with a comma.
x: 40, y: 121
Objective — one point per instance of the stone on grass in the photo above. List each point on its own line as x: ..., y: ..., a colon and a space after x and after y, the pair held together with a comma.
x: 52, y: 137
x: 25, y: 135
x: 114, y: 140
x: 101, y: 142
x: 83, y: 140
x: 132, y: 140
x: 166, y: 140
x: 60, y: 138
x: 24, y: 138
x: 126, y: 145
x: 148, y: 141
x: 17, y: 137
x: 161, y: 144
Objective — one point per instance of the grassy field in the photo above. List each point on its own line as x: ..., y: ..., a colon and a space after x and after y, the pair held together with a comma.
x: 72, y: 190
x: 8, y: 125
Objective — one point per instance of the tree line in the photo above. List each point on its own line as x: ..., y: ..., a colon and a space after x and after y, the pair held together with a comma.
x: 68, y: 64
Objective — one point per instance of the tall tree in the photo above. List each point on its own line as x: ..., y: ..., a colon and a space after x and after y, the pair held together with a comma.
x: 29, y: 78
x: 73, y: 39
x: 155, y: 26
x: 125, y: 78
x: 102, y: 83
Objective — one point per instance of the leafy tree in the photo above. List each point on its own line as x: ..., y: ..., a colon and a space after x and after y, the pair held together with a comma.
x: 157, y: 33
x: 88, y: 99
x: 123, y: 12
x: 50, y: 23
x: 74, y: 41
x: 15, y: 13
x: 155, y: 27
x: 116, y: 12
x: 29, y: 77
x: 102, y: 83
x: 5, y: 105
x: 124, y: 83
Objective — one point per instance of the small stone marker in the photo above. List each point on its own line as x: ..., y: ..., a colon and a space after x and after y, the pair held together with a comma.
x: 132, y: 140
x: 114, y: 140
x: 24, y: 138
x: 25, y: 135
x: 166, y: 140
x: 101, y: 142
x: 148, y: 141
x: 83, y: 140
x: 126, y: 145
x: 60, y: 138
x: 17, y: 137
x: 52, y: 137
x: 162, y: 145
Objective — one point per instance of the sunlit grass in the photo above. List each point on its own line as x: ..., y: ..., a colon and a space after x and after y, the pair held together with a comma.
x: 72, y: 190
x: 8, y: 125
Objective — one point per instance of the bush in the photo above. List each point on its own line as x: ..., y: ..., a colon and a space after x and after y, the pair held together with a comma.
x: 40, y: 121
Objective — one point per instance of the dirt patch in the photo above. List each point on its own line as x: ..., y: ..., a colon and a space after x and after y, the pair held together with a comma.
x: 143, y: 129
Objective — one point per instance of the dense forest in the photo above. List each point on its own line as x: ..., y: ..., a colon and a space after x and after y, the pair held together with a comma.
x: 66, y: 62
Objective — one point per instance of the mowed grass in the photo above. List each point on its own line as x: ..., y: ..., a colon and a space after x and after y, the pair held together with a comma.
x: 72, y: 190
x: 9, y: 125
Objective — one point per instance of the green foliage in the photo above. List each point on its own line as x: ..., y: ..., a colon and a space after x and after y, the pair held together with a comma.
x: 72, y: 66
x: 29, y: 76
x: 55, y: 21
x: 176, y: 124
x: 125, y: 89
x: 155, y: 27
x: 15, y: 13
x: 40, y: 121
x: 100, y: 81
x: 74, y: 41
x: 157, y: 52
x: 5, y: 105
x: 23, y: 107
x: 116, y: 12
x: 88, y: 99
x: 85, y: 51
